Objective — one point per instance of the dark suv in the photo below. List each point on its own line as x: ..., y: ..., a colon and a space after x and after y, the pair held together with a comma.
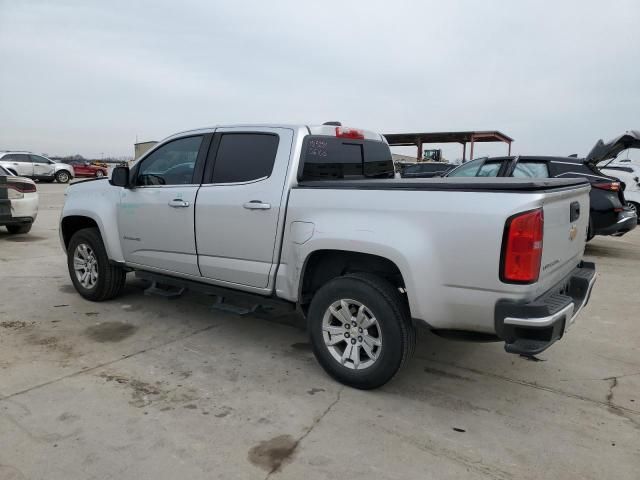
x: 608, y: 215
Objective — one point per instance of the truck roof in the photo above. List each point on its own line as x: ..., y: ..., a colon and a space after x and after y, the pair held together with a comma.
x: 328, y: 130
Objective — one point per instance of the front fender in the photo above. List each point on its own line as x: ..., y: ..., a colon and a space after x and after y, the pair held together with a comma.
x: 98, y: 201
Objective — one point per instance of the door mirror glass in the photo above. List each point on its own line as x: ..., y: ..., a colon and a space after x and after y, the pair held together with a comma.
x: 120, y: 177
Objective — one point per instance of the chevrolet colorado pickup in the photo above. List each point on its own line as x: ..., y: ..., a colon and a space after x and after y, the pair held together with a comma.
x: 312, y: 216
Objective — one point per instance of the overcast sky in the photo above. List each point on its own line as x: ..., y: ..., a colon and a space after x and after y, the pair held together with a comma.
x: 90, y: 77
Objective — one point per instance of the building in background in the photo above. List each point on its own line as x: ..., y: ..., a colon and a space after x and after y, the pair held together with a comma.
x: 141, y: 148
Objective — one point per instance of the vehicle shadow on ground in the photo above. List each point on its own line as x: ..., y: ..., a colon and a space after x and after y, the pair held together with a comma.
x: 20, y: 238
x: 623, y: 251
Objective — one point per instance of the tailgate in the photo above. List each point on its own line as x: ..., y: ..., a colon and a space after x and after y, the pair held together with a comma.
x: 566, y: 219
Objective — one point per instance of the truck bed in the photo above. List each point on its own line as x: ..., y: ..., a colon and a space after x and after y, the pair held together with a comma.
x: 456, y: 184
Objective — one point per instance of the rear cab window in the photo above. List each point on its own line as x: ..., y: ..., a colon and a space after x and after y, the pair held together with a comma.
x: 330, y: 158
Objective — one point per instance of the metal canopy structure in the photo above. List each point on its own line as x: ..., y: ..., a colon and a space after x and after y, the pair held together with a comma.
x: 418, y: 139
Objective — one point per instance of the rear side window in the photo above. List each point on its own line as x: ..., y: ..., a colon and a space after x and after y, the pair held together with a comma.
x: 243, y: 157
x: 328, y: 158
x: 527, y: 169
x: 17, y: 157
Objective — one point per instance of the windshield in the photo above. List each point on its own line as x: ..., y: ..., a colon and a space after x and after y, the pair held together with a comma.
x: 469, y: 169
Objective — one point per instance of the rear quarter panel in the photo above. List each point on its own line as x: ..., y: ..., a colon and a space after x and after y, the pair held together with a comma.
x: 446, y: 244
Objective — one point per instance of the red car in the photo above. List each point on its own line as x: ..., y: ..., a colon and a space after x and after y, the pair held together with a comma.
x: 86, y: 169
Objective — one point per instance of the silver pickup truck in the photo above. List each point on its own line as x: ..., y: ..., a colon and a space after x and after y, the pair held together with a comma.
x: 312, y: 216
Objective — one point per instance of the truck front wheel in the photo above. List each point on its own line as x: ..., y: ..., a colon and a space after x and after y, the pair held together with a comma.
x: 360, y: 330
x: 93, y: 276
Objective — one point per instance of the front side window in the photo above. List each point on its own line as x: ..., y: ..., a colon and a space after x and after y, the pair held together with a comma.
x: 526, y: 169
x: 171, y: 164
x: 244, y: 157
x: 39, y: 159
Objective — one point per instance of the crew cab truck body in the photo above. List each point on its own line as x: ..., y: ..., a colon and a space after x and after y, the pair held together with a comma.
x: 312, y: 216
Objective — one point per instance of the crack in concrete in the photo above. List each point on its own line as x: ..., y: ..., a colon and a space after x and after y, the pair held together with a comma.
x: 111, y: 362
x: 537, y: 386
x: 316, y: 421
x: 612, y: 385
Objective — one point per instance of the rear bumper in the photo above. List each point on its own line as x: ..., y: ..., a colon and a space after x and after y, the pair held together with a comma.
x: 4, y: 220
x: 627, y: 220
x: 531, y: 328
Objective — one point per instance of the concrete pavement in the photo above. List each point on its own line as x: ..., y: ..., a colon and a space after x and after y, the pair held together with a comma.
x: 148, y: 388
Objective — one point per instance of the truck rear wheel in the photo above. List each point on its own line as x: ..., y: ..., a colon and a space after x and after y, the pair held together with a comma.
x: 93, y: 276
x: 360, y: 330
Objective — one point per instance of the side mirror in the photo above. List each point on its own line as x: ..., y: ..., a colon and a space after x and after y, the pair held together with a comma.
x: 120, y: 177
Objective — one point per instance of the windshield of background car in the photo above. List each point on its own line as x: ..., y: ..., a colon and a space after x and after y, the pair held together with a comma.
x: 469, y: 169
x: 528, y: 169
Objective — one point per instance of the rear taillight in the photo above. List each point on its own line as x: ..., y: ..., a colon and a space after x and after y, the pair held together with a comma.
x: 17, y: 190
x: 353, y: 133
x: 611, y: 186
x: 522, y: 247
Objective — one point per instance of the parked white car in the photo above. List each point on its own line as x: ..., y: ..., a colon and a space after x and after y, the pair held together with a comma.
x: 36, y: 167
x: 18, y: 202
x: 629, y: 173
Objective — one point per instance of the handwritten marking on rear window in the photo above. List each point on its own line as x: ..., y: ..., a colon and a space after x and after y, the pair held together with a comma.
x: 317, y: 148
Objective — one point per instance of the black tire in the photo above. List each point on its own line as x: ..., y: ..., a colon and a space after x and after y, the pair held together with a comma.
x: 111, y: 278
x: 62, y: 176
x: 387, y: 305
x: 22, y: 228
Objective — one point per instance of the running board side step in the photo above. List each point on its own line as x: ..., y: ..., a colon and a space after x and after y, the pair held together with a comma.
x: 171, y: 287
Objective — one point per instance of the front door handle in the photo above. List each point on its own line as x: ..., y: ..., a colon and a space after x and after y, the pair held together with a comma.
x: 257, y: 205
x: 178, y: 203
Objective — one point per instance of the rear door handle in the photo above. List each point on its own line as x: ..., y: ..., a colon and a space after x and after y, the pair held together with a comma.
x: 178, y: 203
x: 257, y: 205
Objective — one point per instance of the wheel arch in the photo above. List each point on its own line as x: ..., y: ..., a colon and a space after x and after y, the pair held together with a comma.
x: 321, y: 266
x: 72, y: 223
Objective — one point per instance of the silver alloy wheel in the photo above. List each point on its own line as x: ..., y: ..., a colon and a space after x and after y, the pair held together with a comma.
x: 99, y: 174
x: 352, y: 334
x: 85, y: 265
x: 633, y: 207
x: 62, y: 177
